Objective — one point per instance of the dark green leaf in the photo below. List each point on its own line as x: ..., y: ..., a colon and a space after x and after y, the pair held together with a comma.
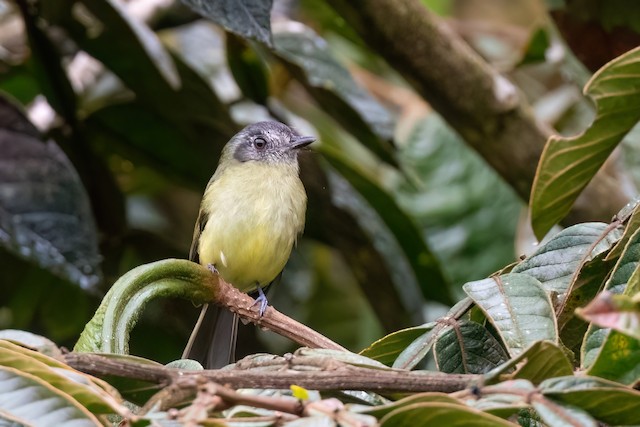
x: 45, y: 215
x: 468, y: 348
x: 246, y: 18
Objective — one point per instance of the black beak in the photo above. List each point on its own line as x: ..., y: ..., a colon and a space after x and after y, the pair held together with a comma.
x: 299, y: 142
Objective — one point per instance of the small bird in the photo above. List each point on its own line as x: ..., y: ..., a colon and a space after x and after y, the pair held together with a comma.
x: 251, y: 214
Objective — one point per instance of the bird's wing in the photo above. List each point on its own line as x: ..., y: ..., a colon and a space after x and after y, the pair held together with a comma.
x: 201, y: 222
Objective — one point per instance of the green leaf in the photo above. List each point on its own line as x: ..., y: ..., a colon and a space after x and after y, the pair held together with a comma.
x: 94, y: 394
x: 619, y: 312
x: 440, y: 414
x: 617, y: 359
x: 519, y: 308
x: 36, y: 342
x: 584, y: 288
x: 629, y: 215
x: 246, y: 18
x: 607, y: 401
x: 540, y: 361
x: 332, y: 86
x: 382, y: 410
x: 387, y: 349
x: 556, y: 415
x: 568, y: 164
x: 555, y: 263
x: 108, y: 331
x: 30, y: 400
x: 424, y: 264
x: 45, y: 215
x: 468, y: 348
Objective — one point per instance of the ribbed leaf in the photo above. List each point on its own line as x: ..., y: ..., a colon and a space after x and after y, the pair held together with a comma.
x: 519, y: 308
x: 45, y: 215
x: 555, y: 263
x: 246, y: 18
x: 568, y: 164
x: 468, y: 348
x: 607, y: 401
x: 556, y: 415
x: 387, y: 349
x: 540, y: 361
x: 33, y: 401
x: 440, y: 414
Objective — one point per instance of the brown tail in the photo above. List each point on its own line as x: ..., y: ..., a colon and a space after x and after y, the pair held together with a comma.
x: 213, y: 340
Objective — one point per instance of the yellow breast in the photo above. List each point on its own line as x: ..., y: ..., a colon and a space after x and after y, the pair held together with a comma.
x: 255, y: 212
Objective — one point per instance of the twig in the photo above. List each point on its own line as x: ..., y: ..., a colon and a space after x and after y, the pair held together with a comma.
x: 242, y: 304
x: 331, y: 375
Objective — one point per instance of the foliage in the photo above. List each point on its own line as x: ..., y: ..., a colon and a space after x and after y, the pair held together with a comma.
x: 137, y: 106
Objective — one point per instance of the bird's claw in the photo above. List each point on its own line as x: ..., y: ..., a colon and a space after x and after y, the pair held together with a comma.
x: 212, y: 268
x: 262, y: 301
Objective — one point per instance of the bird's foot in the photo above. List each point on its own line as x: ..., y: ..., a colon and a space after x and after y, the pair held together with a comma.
x: 262, y: 301
x: 212, y: 268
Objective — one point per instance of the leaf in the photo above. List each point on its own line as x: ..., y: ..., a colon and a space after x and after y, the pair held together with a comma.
x: 630, y: 215
x: 45, y: 216
x: 556, y: 415
x: 382, y: 410
x: 32, y: 401
x: 617, y: 312
x: 246, y: 18
x: 36, y: 342
x: 94, y: 394
x: 555, y: 262
x: 607, y: 401
x: 423, y: 263
x: 518, y: 307
x: 617, y: 359
x: 387, y: 349
x: 568, y: 164
x: 468, y: 348
x: 585, y: 286
x: 333, y: 87
x: 440, y: 414
x: 542, y: 360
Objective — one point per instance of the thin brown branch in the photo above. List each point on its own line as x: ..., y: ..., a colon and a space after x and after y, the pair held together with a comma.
x: 331, y: 375
x: 242, y: 304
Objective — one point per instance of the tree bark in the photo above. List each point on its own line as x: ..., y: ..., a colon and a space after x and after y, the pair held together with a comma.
x: 485, y: 108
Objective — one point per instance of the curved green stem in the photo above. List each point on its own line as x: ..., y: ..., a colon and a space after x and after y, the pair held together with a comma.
x: 108, y: 330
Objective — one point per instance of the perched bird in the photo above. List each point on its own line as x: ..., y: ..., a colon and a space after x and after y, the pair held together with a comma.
x: 251, y: 213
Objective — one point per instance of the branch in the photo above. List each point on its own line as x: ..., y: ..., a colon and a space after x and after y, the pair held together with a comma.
x: 485, y: 108
x: 315, y: 373
x: 238, y: 302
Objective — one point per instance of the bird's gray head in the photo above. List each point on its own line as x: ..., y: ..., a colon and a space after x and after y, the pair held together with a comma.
x: 271, y: 142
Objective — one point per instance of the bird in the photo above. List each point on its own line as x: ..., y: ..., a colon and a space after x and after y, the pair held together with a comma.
x: 252, y: 212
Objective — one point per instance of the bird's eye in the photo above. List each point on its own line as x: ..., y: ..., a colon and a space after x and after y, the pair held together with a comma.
x: 259, y: 143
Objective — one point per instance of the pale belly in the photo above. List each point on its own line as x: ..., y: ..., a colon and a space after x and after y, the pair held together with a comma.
x: 253, y: 224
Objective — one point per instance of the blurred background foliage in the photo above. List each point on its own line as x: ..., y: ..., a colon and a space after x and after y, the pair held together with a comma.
x: 141, y: 95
